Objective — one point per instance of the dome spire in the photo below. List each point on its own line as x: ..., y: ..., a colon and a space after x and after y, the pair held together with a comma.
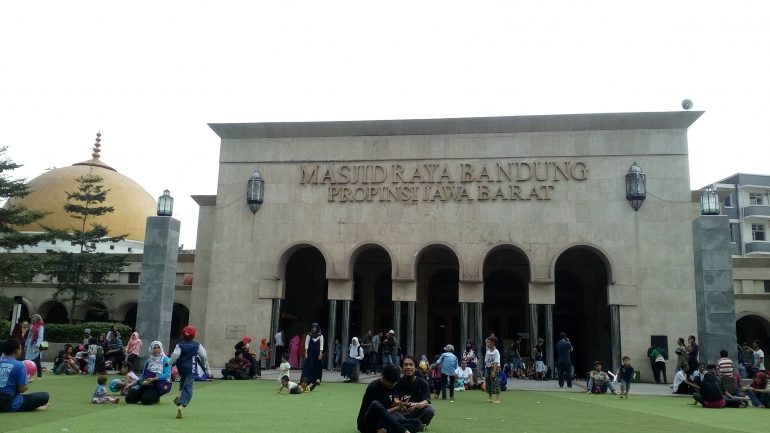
x: 97, y: 145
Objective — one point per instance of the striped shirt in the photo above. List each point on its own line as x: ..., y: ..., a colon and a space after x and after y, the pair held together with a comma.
x: 725, y: 367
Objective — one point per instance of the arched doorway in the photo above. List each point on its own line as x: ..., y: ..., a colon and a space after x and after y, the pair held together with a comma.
x: 126, y: 313
x: 582, y: 309
x: 753, y: 327
x: 383, y: 303
x: 506, y: 273
x: 94, y: 312
x: 53, y: 312
x: 372, y: 292
x: 306, y: 294
x: 180, y: 317
x: 438, y: 306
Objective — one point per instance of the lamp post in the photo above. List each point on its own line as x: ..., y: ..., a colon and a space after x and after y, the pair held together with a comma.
x: 636, y: 186
x: 165, y: 204
x: 709, y: 202
x: 255, y: 190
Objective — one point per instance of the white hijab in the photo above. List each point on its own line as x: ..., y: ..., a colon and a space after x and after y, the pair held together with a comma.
x: 155, y: 364
x: 353, y: 352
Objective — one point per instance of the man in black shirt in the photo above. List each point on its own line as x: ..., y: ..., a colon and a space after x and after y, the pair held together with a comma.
x: 419, y: 406
x: 378, y: 407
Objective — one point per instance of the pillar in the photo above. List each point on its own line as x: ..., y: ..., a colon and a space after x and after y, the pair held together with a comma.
x: 714, y: 292
x: 533, y: 324
x: 345, y: 329
x: 331, y: 332
x: 156, y: 291
x: 463, y: 324
x: 481, y: 345
x: 397, y: 320
x: 276, y: 325
x: 410, y: 327
x: 550, y: 346
x: 615, y: 336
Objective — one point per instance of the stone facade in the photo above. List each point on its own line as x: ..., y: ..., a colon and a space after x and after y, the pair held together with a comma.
x: 436, y: 199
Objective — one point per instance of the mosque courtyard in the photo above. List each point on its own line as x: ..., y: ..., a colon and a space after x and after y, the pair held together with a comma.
x: 229, y: 406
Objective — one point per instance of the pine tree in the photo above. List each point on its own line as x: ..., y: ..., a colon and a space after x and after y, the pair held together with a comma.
x: 80, y: 277
x: 16, y: 267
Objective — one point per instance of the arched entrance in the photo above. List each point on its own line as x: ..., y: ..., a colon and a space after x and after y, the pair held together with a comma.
x: 53, y: 312
x: 372, y: 292
x: 438, y: 306
x: 753, y: 327
x: 306, y: 294
x: 93, y: 312
x: 506, y: 274
x: 126, y: 313
x: 180, y: 317
x: 582, y: 309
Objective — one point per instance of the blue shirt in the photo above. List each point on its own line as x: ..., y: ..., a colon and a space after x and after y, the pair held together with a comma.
x: 562, y: 348
x: 12, y: 374
x: 448, y: 363
x: 99, y: 392
x: 114, y: 345
x: 627, y: 373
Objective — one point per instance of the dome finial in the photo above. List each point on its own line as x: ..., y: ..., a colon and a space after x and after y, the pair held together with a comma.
x: 97, y: 145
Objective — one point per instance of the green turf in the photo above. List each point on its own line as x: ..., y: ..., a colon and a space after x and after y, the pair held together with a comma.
x: 230, y: 406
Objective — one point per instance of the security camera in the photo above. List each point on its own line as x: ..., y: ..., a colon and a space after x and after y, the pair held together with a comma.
x: 687, y: 104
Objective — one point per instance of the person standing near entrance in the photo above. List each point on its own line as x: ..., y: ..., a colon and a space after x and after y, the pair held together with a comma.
x: 448, y: 362
x: 279, y: 345
x: 314, y: 344
x: 563, y: 349
x: 692, y: 351
x: 538, y: 353
x: 374, y: 354
x: 366, y: 345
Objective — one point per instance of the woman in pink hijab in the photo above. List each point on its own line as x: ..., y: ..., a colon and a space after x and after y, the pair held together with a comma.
x: 294, y: 352
x: 133, y: 347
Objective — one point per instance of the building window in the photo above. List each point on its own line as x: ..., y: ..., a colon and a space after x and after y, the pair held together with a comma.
x: 755, y: 198
x: 733, y: 233
x: 133, y: 278
x: 130, y: 249
x: 728, y: 201
x: 767, y: 286
x: 112, y: 247
x: 73, y: 243
x: 53, y: 242
x: 758, y: 232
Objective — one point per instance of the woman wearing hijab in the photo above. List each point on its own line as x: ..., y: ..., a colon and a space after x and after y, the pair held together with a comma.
x: 294, y: 352
x: 133, y: 348
x: 243, y: 346
x: 469, y: 354
x: 757, y: 391
x: 102, y: 341
x: 155, y: 380
x: 34, y: 340
x: 355, y: 355
x: 709, y: 395
x: 314, y: 344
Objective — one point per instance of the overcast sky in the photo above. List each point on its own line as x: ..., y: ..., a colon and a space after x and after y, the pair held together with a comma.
x: 151, y: 75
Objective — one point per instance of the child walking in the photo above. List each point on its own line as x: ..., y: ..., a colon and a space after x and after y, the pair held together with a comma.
x: 492, y: 365
x: 183, y: 356
x: 93, y: 348
x: 285, y: 367
x: 100, y: 394
x: 626, y: 374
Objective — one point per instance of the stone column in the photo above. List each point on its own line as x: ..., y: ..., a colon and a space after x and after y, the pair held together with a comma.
x: 550, y: 355
x: 410, y: 327
x: 397, y: 320
x: 156, y: 291
x: 615, y: 336
x: 463, y: 324
x: 331, y: 332
x: 345, y: 329
x: 714, y: 292
x: 533, y: 324
x: 276, y: 326
x: 481, y: 344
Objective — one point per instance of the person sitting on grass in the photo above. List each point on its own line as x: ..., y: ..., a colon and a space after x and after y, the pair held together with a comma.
x: 237, y: 368
x: 531, y: 373
x: 114, y: 351
x: 757, y: 391
x: 100, y: 393
x: 245, y: 346
x: 697, y: 376
x: 130, y: 380
x: 681, y: 383
x: 155, y: 380
x: 626, y: 374
x: 378, y: 407
x: 291, y: 387
x: 305, y: 387
x: 713, y: 393
x: 14, y: 382
x: 418, y: 393
x: 599, y: 381
x: 464, y: 374
x: 133, y: 348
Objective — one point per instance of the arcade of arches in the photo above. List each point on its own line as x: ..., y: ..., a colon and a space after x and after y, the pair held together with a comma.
x: 437, y: 317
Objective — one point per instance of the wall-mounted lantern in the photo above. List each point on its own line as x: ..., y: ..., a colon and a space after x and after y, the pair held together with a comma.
x: 255, y: 190
x: 636, y: 186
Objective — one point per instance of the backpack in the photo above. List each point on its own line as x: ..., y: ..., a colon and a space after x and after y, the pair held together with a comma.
x: 503, y: 381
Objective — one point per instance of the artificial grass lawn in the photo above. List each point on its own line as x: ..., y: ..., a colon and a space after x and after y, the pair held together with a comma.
x: 229, y: 406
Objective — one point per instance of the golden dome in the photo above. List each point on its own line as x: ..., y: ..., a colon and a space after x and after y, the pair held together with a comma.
x: 132, y: 203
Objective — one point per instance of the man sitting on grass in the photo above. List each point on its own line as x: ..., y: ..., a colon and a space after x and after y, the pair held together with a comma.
x: 13, y: 382
x: 378, y: 407
x: 599, y: 379
x: 681, y: 383
x: 237, y: 368
x: 418, y: 391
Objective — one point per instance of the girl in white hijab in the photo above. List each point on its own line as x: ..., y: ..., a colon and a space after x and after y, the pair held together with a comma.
x: 355, y: 355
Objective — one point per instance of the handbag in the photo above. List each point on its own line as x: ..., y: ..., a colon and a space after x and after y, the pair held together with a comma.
x: 43, y: 346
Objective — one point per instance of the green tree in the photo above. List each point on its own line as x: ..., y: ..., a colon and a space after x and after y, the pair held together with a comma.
x: 80, y: 277
x: 16, y: 267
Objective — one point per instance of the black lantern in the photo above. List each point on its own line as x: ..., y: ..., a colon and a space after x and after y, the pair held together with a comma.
x: 165, y: 204
x: 636, y: 186
x: 709, y: 202
x: 255, y: 190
